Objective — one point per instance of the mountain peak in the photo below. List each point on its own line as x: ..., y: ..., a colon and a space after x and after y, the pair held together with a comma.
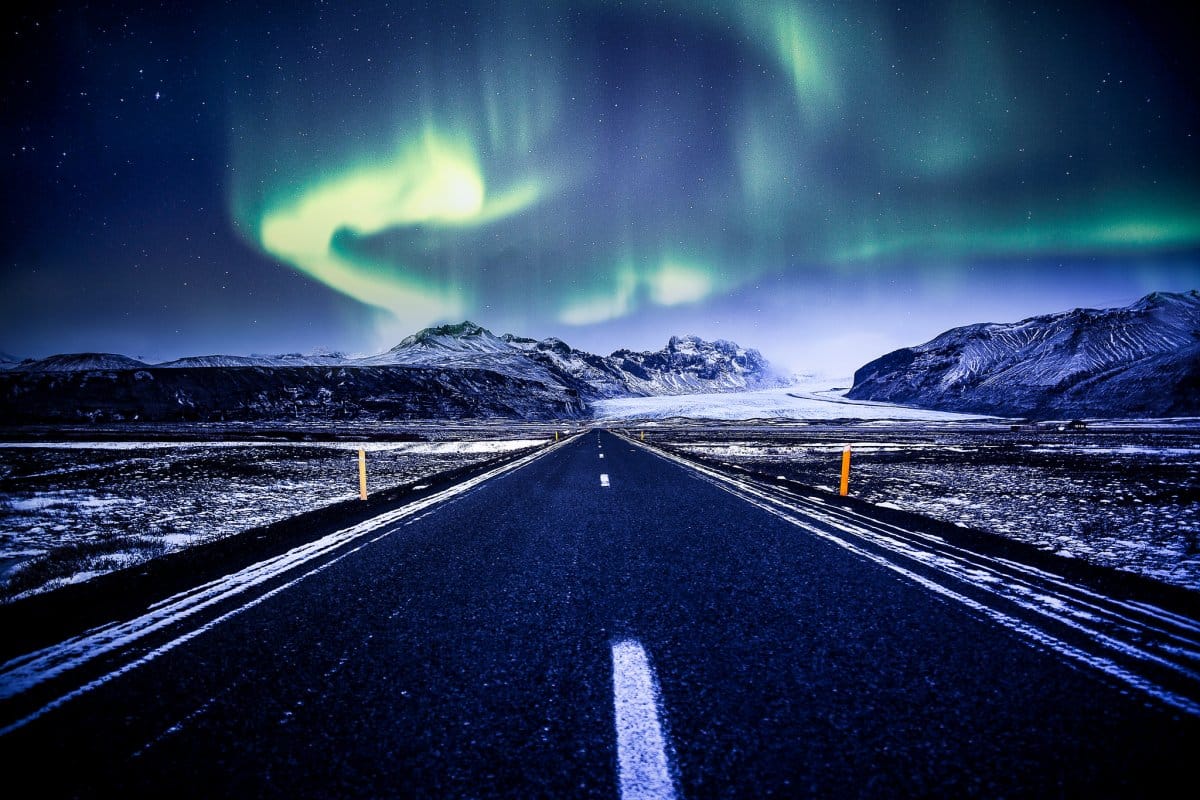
x: 1137, y: 360
x: 688, y: 341
x: 1166, y: 299
x: 461, y: 330
x: 82, y: 362
x: 686, y: 365
x: 465, y: 335
x: 464, y: 328
x: 691, y: 343
x: 690, y: 364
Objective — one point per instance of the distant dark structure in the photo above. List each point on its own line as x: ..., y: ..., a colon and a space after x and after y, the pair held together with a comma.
x: 1139, y: 361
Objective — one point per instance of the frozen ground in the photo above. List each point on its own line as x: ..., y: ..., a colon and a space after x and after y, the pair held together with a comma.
x: 811, y: 399
x: 75, y: 509
x: 1122, y: 495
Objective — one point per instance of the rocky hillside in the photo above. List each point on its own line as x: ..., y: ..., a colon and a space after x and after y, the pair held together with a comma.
x: 1142, y: 360
x: 690, y: 365
x: 451, y: 371
x: 279, y: 393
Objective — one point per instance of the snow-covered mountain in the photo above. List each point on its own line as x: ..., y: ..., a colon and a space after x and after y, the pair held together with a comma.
x: 319, y: 359
x: 1140, y: 360
x: 462, y: 346
x: 432, y: 345
x: 80, y: 362
x: 688, y: 365
x: 452, y: 370
x: 217, y: 361
x: 464, y: 343
x: 596, y: 376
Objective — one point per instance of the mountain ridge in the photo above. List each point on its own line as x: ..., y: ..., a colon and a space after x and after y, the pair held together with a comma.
x: 1137, y: 360
x: 513, y: 376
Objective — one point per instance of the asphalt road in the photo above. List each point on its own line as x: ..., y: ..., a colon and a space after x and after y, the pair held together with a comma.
x: 542, y: 634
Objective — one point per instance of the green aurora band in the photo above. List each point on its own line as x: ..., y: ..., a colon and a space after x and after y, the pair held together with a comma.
x: 584, y: 161
x: 431, y: 181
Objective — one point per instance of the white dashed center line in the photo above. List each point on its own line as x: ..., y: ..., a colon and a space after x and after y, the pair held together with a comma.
x: 602, y: 455
x: 604, y: 479
x: 644, y: 771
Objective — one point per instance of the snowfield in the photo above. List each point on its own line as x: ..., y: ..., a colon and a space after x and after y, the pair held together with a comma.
x: 1124, y: 494
x: 811, y: 400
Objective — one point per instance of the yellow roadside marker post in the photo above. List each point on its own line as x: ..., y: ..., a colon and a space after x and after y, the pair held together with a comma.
x: 362, y: 474
x: 845, y: 471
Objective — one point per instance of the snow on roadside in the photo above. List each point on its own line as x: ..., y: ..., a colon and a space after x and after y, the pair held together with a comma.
x: 481, y: 446
x: 73, y: 510
x: 1124, y: 499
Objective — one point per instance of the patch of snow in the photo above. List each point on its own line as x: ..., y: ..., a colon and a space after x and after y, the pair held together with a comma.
x: 86, y: 508
x: 785, y: 403
x: 1120, y: 498
x: 1124, y: 450
x: 449, y: 446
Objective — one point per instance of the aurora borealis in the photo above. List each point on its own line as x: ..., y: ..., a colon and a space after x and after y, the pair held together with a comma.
x: 824, y: 181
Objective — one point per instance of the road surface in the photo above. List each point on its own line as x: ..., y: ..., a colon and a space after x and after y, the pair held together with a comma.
x: 603, y: 621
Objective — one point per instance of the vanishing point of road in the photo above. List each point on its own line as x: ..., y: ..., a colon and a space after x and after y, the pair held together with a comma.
x: 598, y: 620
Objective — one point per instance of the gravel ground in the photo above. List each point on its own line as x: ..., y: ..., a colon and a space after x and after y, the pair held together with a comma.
x: 72, y: 510
x: 1125, y: 496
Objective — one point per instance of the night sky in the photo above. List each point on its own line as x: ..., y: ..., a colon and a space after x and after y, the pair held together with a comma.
x: 822, y: 181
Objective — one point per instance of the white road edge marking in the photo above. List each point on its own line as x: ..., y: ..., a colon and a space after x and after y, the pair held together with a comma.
x: 644, y: 771
x: 792, y: 514
x: 604, y: 479
x: 24, y: 672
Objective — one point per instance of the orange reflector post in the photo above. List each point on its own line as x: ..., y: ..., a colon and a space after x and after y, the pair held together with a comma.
x: 845, y: 471
x: 362, y: 474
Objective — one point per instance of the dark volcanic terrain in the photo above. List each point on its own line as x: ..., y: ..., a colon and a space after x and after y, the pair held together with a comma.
x: 449, y: 372
x: 280, y: 393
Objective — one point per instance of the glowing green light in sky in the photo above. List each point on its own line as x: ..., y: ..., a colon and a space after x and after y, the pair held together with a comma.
x: 671, y: 282
x: 603, y: 304
x: 1115, y: 230
x: 677, y: 282
x: 799, y: 50
x: 583, y: 161
x: 433, y: 180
